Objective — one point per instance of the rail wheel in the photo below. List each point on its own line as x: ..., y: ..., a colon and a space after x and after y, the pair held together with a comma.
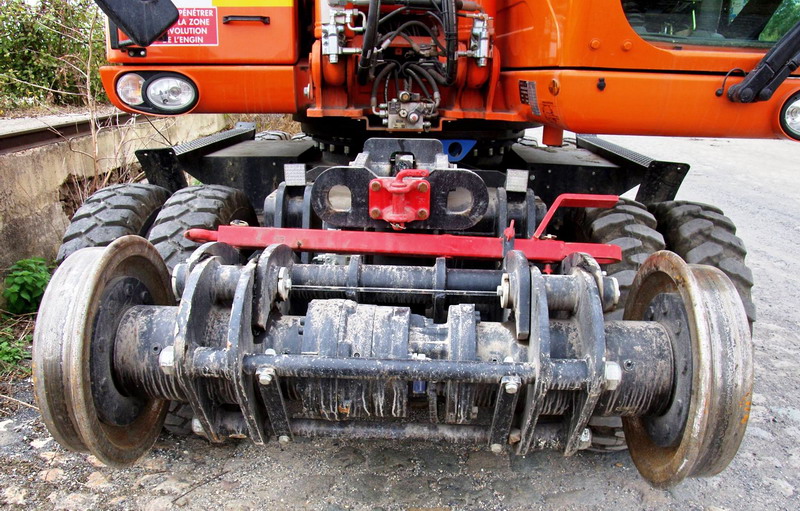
x: 111, y: 213
x: 633, y: 228
x: 74, y: 383
x: 699, y: 431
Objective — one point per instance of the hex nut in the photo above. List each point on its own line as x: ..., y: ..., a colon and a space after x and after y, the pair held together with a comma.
x: 284, y: 283
x: 265, y: 375
x: 613, y: 375
x: 504, y: 291
x: 166, y: 360
x: 585, y: 439
x: 511, y: 384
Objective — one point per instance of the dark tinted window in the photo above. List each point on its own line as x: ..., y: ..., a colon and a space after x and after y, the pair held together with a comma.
x: 713, y: 22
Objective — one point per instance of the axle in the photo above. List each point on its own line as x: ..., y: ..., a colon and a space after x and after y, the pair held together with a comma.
x: 515, y: 360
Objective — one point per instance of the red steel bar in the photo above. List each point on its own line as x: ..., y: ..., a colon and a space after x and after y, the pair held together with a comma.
x: 427, y: 245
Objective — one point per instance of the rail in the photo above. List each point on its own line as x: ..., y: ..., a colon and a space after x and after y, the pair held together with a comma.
x: 27, y: 137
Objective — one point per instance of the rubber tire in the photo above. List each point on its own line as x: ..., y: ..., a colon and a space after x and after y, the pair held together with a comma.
x: 179, y: 419
x: 702, y: 234
x: 632, y: 227
x: 203, y: 207
x: 110, y: 213
x: 195, y: 207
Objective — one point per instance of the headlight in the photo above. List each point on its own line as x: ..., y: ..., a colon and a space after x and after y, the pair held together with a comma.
x: 129, y: 89
x: 171, y: 93
x: 790, y: 116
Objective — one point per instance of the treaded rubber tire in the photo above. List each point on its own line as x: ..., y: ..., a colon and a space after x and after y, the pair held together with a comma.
x: 179, y: 419
x: 632, y: 227
x: 196, y: 207
x: 110, y: 213
x: 702, y: 234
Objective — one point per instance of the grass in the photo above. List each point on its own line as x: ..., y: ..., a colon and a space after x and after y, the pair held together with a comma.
x: 16, y: 335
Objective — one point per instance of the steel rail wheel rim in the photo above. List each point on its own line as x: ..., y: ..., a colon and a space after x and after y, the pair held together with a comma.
x: 721, y: 384
x: 69, y: 309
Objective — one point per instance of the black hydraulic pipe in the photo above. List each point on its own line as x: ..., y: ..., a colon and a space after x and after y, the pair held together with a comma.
x: 370, y: 34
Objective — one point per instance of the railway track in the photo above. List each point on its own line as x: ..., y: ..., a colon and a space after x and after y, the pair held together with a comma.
x: 19, y: 135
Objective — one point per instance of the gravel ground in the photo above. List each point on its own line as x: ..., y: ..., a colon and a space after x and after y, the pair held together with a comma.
x: 755, y: 182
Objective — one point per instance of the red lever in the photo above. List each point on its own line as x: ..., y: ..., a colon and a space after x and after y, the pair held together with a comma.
x: 575, y: 200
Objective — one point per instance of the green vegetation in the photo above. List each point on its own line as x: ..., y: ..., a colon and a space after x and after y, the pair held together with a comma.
x: 50, y: 50
x: 14, y: 349
x: 785, y: 17
x: 24, y: 285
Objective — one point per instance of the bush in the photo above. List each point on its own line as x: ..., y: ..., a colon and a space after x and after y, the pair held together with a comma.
x: 45, y: 47
x: 25, y: 285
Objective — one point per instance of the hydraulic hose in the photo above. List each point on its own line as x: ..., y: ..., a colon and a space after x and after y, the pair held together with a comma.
x: 450, y: 39
x: 368, y: 46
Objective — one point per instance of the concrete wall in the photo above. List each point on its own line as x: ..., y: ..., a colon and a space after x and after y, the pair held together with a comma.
x: 32, y: 219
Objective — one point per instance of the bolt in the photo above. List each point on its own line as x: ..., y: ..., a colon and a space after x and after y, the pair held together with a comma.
x: 166, y: 360
x: 283, y: 439
x: 422, y: 214
x: 375, y: 186
x: 375, y: 213
x: 239, y: 223
x: 422, y: 187
x: 585, y: 440
x: 265, y: 375
x: 511, y: 384
x: 284, y: 283
x: 508, y: 360
x: 270, y: 352
x: 512, y: 387
x: 307, y: 91
x: 504, y: 291
x: 613, y: 374
x: 403, y: 113
x: 497, y: 448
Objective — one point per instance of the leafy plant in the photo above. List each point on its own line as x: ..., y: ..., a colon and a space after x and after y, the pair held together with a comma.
x: 25, y: 285
x: 12, y: 349
x: 50, y: 50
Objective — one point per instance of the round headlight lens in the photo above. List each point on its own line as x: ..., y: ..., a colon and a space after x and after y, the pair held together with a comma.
x: 171, y: 93
x: 791, y: 116
x: 129, y: 89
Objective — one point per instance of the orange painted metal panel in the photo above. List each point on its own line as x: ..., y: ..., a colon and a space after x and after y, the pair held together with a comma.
x: 638, y: 103
x: 202, y: 36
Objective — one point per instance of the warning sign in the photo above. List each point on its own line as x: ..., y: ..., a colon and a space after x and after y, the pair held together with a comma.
x: 196, y: 26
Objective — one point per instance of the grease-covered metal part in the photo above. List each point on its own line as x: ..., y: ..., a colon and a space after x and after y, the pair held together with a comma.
x: 721, y: 371
x: 70, y: 369
x: 343, y: 368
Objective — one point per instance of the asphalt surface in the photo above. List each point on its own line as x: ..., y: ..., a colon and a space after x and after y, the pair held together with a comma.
x: 757, y: 184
